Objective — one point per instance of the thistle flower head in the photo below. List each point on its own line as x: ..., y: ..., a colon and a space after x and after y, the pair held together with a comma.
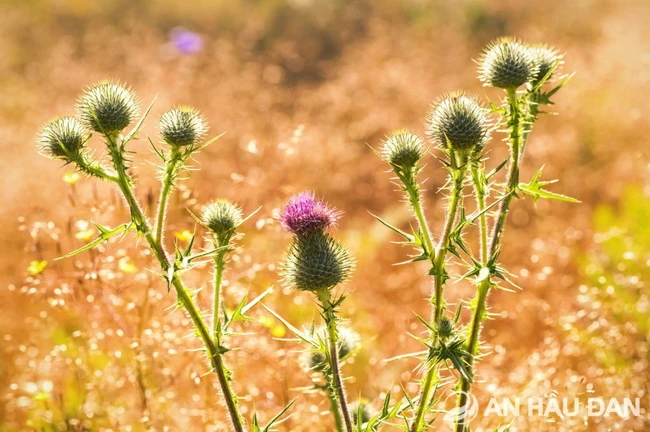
x: 315, y: 262
x: 316, y: 360
x: 403, y: 149
x: 506, y: 63
x: 445, y: 328
x: 62, y: 138
x: 182, y: 126
x: 458, y: 121
x: 305, y: 214
x: 222, y: 217
x: 107, y: 107
x: 545, y: 58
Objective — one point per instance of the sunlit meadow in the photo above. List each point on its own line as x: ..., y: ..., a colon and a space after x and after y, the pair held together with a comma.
x: 306, y: 93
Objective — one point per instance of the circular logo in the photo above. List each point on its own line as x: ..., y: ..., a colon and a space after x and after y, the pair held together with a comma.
x: 467, y: 411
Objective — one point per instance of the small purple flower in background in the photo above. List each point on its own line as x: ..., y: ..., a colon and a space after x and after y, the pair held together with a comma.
x: 305, y: 214
x: 185, y: 41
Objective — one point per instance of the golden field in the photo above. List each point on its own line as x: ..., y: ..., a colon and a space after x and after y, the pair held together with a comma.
x: 304, y: 90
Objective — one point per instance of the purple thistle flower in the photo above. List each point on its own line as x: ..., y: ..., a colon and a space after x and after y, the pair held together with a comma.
x: 305, y: 214
x: 185, y: 41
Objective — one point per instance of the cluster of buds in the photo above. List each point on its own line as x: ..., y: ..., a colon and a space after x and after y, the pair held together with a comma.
x: 108, y: 108
x: 508, y: 63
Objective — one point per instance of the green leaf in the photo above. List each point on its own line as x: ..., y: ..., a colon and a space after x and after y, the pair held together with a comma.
x: 535, y: 189
x: 293, y: 329
x: 239, y: 314
x: 406, y: 236
x: 276, y: 420
x: 138, y: 125
x: 104, y: 234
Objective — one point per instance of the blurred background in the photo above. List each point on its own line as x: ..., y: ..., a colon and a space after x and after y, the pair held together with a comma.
x: 303, y: 90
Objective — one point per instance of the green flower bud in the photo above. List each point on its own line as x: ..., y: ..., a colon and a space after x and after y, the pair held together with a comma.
x: 316, y: 262
x: 316, y: 360
x: 545, y: 58
x: 182, y: 126
x: 445, y: 328
x: 506, y: 63
x: 361, y: 412
x: 63, y: 138
x: 458, y: 121
x: 222, y: 217
x: 403, y: 149
x: 107, y: 107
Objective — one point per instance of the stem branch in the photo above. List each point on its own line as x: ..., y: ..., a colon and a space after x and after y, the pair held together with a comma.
x: 329, y: 314
x: 184, y: 298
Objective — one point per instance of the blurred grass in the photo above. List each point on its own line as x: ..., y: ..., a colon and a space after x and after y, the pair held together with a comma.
x: 301, y: 87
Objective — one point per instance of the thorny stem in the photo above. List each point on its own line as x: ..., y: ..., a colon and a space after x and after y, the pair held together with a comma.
x: 171, y: 169
x: 516, y: 146
x: 440, y: 278
x: 219, y: 263
x: 513, y: 170
x: 334, y: 407
x: 184, y: 298
x: 416, y: 203
x: 478, y: 178
x: 324, y: 296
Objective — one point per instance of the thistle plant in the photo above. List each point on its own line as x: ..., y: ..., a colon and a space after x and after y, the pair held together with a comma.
x: 318, y: 263
x: 460, y: 127
x: 107, y: 109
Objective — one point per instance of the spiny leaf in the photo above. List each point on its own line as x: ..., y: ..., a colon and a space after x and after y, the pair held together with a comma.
x: 276, y: 420
x: 104, y: 234
x: 293, y: 329
x: 407, y: 236
x: 535, y: 189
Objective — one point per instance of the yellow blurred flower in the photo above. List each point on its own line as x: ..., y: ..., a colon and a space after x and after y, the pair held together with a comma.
x: 85, y: 235
x: 126, y: 266
x: 184, y: 235
x: 36, y: 267
x: 278, y: 331
x: 71, y: 178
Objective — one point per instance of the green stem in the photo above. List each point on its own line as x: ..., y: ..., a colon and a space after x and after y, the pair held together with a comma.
x: 334, y: 407
x: 324, y: 296
x: 184, y: 298
x: 479, y: 193
x: 171, y: 169
x: 512, y: 183
x: 439, y: 263
x: 416, y: 204
x: 472, y: 348
x: 219, y: 263
x: 513, y: 171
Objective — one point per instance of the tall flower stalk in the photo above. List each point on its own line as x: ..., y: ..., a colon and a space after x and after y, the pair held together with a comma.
x: 107, y: 109
x: 316, y: 262
x: 461, y: 127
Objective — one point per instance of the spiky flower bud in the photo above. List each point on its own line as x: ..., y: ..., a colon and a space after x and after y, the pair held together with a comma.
x: 545, y: 58
x: 458, y: 121
x: 361, y: 412
x: 305, y: 215
x: 316, y: 262
x: 506, y: 63
x: 63, y: 138
x: 403, y: 149
x: 222, y: 217
x: 316, y: 360
x: 182, y: 126
x: 107, y: 107
x: 445, y: 328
